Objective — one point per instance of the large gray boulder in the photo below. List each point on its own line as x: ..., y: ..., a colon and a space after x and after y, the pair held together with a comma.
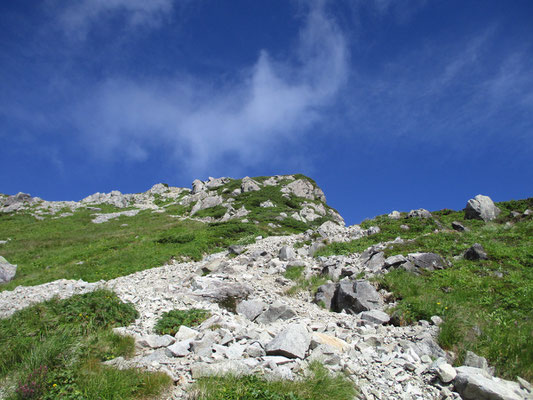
x: 213, y: 183
x: 376, y: 262
x: 459, y: 227
x: 428, y: 346
x: 355, y: 297
x: 197, y: 186
x: 208, y: 202
x: 475, y: 384
x: 420, y: 213
x: 249, y: 185
x: 291, y: 342
x: 481, y: 207
x: 180, y: 349
x: 7, y: 270
x: 158, y: 188
x: 393, y: 261
x: 304, y: 188
x: 212, y: 266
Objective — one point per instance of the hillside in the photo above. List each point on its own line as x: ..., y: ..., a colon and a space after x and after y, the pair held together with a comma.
x: 259, y: 275
x: 108, y: 235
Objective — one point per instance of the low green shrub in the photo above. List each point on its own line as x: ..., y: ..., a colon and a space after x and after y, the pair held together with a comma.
x: 170, y: 321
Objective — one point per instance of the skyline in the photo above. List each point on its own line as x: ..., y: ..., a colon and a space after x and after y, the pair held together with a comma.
x: 387, y: 105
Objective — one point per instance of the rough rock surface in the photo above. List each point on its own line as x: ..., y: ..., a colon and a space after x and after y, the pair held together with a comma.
x: 420, y: 213
x: 475, y: 384
x: 476, y: 252
x: 292, y: 342
x: 481, y: 207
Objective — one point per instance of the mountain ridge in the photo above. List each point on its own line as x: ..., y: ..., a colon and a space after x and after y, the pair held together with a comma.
x: 393, y: 302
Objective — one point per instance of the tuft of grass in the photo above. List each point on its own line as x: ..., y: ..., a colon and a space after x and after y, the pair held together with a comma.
x: 318, y: 385
x: 294, y: 273
x: 170, y: 321
x: 54, y: 350
x: 310, y: 285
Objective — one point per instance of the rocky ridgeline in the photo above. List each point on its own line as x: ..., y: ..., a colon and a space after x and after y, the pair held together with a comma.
x: 207, y: 194
x: 256, y: 326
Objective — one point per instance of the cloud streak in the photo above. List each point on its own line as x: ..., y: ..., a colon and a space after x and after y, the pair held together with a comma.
x: 274, y: 102
x: 446, y: 95
x: 78, y: 17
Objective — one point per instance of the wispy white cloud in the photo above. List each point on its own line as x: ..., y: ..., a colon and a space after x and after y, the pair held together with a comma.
x: 447, y: 95
x: 275, y: 102
x: 78, y: 17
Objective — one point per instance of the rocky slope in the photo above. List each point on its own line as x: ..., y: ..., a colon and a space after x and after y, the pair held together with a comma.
x: 260, y: 322
x: 291, y: 197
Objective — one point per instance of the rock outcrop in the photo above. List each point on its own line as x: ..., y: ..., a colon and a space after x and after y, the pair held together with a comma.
x: 481, y: 207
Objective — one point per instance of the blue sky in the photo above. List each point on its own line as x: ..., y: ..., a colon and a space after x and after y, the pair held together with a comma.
x: 386, y: 104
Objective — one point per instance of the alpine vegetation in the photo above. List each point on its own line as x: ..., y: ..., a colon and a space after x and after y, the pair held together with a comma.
x: 254, y: 288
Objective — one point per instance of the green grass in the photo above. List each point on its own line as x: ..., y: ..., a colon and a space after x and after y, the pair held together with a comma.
x: 54, y: 350
x: 170, y: 321
x: 303, y: 284
x: 318, y: 385
x: 294, y: 273
x: 75, y: 248
x: 214, y: 212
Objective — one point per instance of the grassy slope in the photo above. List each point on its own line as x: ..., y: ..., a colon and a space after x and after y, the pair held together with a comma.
x: 75, y: 248
x: 54, y: 349
x: 487, y: 305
